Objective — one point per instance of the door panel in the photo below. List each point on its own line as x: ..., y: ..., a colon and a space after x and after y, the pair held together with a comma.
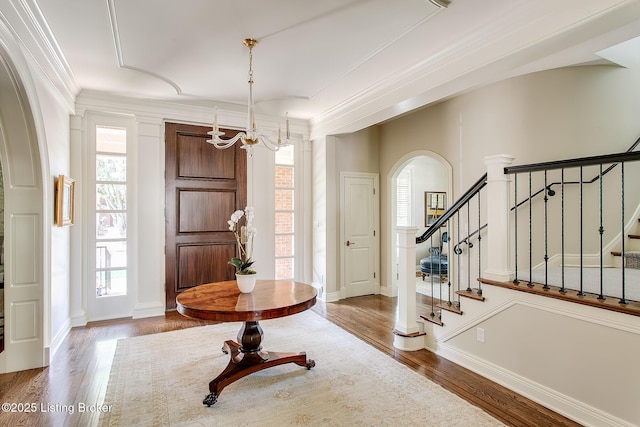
x: 195, y: 203
x: 204, y: 185
x: 195, y: 266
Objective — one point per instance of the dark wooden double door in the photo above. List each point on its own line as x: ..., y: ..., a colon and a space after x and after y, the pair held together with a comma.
x: 204, y: 185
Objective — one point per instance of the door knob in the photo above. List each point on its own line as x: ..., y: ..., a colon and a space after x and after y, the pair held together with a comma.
x: 350, y: 243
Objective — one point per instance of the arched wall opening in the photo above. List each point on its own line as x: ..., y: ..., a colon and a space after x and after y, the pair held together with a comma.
x: 25, y: 308
x: 425, y: 171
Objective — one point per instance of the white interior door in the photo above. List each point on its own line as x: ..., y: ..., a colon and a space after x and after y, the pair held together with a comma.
x: 359, y: 237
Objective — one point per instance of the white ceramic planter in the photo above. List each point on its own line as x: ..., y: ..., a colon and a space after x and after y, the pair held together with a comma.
x: 246, y: 282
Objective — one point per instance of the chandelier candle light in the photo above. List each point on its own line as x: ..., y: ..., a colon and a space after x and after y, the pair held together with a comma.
x: 251, y: 135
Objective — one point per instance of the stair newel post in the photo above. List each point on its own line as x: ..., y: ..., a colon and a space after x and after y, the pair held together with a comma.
x: 407, y: 334
x: 497, y: 207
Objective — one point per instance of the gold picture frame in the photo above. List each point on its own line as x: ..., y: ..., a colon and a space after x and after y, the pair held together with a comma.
x: 435, y: 203
x: 65, y: 201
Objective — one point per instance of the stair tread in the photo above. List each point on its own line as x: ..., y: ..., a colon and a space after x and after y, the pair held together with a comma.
x: 473, y: 294
x: 610, y: 303
x: 627, y: 253
x: 453, y: 307
x: 434, y: 319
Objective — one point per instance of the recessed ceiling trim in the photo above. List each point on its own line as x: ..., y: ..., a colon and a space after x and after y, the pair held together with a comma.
x: 118, y: 47
x: 371, y: 55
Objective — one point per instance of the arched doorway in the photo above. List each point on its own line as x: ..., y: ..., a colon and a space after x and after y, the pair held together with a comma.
x: 25, y: 311
x: 410, y: 178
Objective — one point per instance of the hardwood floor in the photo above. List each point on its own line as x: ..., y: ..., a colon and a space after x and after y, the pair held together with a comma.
x: 80, y: 371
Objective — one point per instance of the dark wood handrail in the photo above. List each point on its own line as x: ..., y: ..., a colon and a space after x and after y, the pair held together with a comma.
x: 584, y: 161
x: 475, y: 189
x: 571, y: 163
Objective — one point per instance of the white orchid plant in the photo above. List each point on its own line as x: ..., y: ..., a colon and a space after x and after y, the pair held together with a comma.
x: 244, y: 238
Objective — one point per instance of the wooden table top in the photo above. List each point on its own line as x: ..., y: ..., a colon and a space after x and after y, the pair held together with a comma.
x: 222, y: 301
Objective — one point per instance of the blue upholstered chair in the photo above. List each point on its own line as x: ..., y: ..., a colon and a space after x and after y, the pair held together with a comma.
x: 436, y: 262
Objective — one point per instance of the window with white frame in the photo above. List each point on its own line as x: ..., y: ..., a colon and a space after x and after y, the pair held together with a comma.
x: 403, y: 197
x: 111, y: 211
x: 284, y: 213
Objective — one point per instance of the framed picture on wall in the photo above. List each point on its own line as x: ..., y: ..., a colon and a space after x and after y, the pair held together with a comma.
x: 435, y: 203
x: 65, y: 197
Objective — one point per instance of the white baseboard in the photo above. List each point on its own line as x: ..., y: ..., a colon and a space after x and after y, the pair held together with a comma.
x: 333, y: 296
x: 79, y: 319
x: 153, y: 309
x: 57, y: 341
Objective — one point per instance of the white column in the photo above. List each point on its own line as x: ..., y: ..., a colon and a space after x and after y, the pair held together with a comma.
x: 498, y: 230
x: 407, y: 335
x: 77, y: 297
x: 148, y: 157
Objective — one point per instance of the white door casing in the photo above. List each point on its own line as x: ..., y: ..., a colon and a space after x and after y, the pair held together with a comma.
x: 359, y: 242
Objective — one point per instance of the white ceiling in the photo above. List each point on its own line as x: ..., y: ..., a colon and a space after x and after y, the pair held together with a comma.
x: 340, y: 64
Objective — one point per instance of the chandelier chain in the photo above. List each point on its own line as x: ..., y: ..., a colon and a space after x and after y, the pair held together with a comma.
x: 250, y: 65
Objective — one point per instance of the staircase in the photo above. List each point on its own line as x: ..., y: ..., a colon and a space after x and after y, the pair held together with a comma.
x: 632, y: 254
x: 567, y: 345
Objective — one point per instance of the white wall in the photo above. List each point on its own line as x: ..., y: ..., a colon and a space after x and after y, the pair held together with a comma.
x: 55, y: 115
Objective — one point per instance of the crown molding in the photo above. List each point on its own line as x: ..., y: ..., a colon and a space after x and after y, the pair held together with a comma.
x: 481, y: 56
x: 229, y: 115
x: 27, y: 23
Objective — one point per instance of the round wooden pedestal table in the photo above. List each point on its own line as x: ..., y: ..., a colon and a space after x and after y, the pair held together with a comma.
x: 223, y: 302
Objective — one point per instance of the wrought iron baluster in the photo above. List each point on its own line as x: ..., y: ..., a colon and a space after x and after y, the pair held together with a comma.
x: 515, y: 225
x: 479, y: 246
x: 581, y: 291
x: 601, y: 231
x: 562, y: 288
x: 623, y: 299
x: 449, y: 290
x: 458, y: 251
x: 546, y: 236
x: 432, y: 314
x: 530, y: 237
x: 468, y: 248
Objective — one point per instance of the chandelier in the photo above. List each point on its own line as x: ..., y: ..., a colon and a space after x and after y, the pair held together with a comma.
x: 251, y: 135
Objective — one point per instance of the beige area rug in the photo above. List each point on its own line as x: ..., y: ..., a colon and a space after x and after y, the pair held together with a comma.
x: 161, y: 379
